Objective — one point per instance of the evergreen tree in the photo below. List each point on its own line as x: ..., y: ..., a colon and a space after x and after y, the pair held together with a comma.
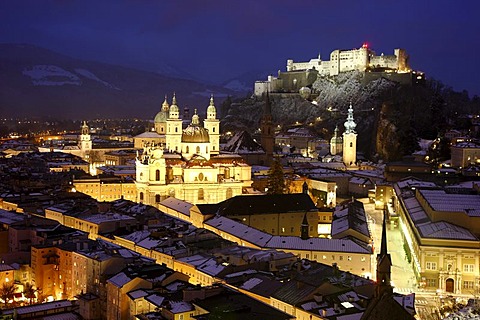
x: 276, y: 179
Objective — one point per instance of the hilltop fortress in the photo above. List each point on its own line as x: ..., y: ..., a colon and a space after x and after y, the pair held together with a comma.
x: 300, y: 75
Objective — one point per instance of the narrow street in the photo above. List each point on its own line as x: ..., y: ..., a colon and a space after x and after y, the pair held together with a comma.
x: 403, y: 278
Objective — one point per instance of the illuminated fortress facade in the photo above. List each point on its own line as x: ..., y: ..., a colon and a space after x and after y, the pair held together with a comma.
x: 360, y: 59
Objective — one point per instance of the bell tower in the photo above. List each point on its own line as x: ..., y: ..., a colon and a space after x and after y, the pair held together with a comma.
x: 212, y: 124
x: 267, y: 131
x: 85, y: 139
x: 173, y: 136
x: 350, y: 140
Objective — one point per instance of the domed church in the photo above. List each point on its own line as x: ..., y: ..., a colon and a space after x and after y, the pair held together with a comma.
x: 187, y: 163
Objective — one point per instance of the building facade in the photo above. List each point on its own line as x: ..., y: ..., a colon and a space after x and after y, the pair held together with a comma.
x: 189, y: 165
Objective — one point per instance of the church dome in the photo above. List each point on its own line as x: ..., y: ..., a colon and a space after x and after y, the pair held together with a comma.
x: 162, y: 115
x: 195, y: 132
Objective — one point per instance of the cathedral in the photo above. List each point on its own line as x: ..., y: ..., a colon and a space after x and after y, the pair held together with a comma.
x: 187, y: 163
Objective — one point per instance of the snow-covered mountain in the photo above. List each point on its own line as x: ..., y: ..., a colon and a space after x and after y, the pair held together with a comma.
x: 39, y: 82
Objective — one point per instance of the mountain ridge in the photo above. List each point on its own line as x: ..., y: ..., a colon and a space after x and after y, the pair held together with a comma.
x: 36, y: 82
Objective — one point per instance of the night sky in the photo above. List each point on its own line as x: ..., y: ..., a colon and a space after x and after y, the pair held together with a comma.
x: 221, y: 39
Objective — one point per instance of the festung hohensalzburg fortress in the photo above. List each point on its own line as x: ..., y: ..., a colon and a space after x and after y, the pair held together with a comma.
x: 363, y: 59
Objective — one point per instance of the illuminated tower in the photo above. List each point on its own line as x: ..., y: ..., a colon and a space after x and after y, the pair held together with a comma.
x: 173, y: 137
x: 336, y: 143
x: 267, y: 132
x: 85, y: 139
x: 212, y: 124
x: 350, y: 140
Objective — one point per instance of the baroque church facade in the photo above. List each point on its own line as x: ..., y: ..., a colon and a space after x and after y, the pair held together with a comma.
x: 187, y: 163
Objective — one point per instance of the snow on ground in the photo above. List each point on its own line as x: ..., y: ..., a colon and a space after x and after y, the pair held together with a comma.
x: 91, y: 76
x: 49, y: 75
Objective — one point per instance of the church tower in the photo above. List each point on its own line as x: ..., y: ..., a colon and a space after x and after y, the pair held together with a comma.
x: 384, y: 264
x: 173, y: 136
x: 267, y: 131
x: 160, y: 120
x: 350, y: 140
x: 85, y: 139
x: 212, y: 124
x: 304, y: 228
x: 336, y: 143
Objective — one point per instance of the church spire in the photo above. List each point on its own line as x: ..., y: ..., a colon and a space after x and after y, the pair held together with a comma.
x: 350, y: 124
x: 383, y: 247
x: 267, y: 139
x: 384, y: 264
x: 304, y: 228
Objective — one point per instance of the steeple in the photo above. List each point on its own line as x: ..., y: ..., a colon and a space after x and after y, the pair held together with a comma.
x: 165, y: 105
x: 304, y: 228
x: 267, y: 132
x: 211, y: 110
x: 383, y: 247
x: 85, y: 129
x: 174, y: 111
x: 350, y: 124
x: 384, y: 264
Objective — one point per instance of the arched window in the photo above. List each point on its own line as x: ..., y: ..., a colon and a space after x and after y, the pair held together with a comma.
x: 213, y: 148
x: 198, y: 149
x: 157, y: 198
x: 213, y: 129
x: 161, y: 129
x: 351, y: 144
x: 176, y: 129
x: 157, y: 175
x: 201, y: 194
x: 187, y: 150
x: 141, y: 196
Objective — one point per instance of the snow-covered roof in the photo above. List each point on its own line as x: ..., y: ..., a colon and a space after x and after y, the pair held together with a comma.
x: 155, y: 299
x: 180, y: 306
x: 177, y: 205
x: 318, y: 244
x: 149, y: 134
x: 119, y: 280
x: 251, y: 283
x: 240, y: 230
x: 140, y: 293
x: 439, y: 200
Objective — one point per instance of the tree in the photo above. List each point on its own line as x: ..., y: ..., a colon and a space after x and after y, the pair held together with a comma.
x: 276, y: 179
x: 29, y: 292
x: 7, y: 291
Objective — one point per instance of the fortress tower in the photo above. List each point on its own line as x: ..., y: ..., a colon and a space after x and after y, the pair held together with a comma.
x: 350, y: 140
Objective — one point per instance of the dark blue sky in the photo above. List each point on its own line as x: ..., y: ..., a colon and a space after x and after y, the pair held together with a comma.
x: 219, y: 39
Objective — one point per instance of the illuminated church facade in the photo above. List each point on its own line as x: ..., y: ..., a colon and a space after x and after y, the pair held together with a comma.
x: 187, y: 163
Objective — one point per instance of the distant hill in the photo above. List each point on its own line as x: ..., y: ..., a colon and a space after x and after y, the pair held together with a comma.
x: 36, y: 82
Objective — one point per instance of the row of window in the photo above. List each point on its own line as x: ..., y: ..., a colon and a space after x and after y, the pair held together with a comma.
x: 469, y: 268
